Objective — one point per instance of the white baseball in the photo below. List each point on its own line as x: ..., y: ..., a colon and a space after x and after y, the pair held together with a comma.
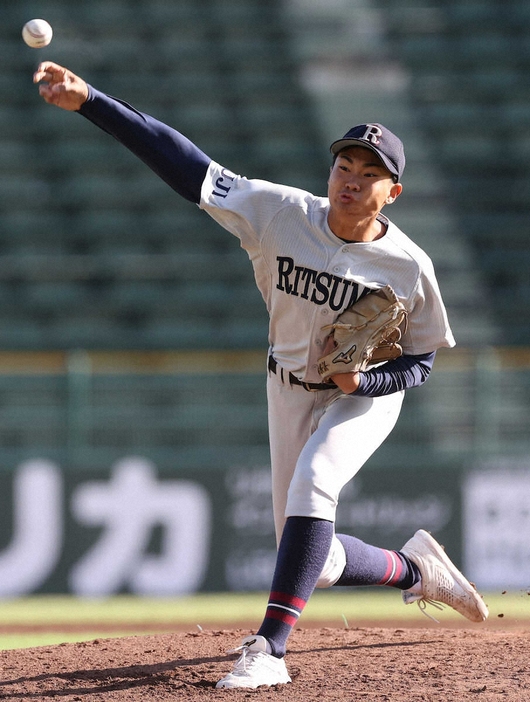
x: 37, y: 33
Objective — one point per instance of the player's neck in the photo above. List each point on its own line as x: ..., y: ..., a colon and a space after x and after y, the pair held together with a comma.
x: 364, y: 230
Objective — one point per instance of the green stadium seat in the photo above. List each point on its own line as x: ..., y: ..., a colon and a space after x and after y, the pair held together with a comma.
x: 116, y: 260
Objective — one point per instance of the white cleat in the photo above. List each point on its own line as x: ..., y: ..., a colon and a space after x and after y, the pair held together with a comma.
x: 255, y: 666
x: 441, y: 581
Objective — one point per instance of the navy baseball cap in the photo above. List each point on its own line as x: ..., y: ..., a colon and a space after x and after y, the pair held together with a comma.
x: 380, y: 140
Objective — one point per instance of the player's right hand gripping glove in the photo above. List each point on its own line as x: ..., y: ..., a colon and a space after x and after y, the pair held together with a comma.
x: 368, y: 332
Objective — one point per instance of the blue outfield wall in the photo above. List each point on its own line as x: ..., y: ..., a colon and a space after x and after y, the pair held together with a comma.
x: 135, y: 528
x: 133, y: 472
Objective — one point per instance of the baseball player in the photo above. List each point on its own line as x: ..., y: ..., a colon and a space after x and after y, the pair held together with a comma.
x: 313, y: 257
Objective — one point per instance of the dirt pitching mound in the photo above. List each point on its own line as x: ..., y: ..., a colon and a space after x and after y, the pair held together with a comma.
x: 326, y: 664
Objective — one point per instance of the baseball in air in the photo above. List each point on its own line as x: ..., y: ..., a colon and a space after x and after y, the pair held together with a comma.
x: 37, y: 33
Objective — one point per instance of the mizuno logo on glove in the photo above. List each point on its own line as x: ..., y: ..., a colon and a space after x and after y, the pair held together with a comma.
x: 346, y: 356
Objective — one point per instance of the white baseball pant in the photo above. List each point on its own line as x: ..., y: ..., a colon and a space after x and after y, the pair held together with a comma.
x: 318, y: 442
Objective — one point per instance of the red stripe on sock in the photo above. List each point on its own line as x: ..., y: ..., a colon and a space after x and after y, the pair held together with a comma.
x: 281, y: 616
x: 399, y: 569
x: 289, y: 600
x: 394, y: 569
x: 389, y: 568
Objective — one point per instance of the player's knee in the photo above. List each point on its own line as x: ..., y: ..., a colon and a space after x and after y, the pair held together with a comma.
x: 308, y: 500
x: 334, y: 566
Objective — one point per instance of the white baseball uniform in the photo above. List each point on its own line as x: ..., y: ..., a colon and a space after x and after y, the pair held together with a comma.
x: 319, y: 436
x: 307, y: 276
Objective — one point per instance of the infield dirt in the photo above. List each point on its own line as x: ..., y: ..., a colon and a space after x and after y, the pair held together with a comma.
x: 434, y: 664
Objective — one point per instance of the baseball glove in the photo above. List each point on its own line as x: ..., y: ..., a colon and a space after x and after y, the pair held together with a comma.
x: 368, y: 332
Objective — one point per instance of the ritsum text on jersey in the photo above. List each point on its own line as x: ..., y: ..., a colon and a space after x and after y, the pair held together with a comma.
x: 320, y: 288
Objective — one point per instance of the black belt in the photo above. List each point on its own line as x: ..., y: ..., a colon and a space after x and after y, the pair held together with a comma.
x: 293, y: 380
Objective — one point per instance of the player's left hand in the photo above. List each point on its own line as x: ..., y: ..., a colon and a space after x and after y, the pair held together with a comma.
x: 347, y: 382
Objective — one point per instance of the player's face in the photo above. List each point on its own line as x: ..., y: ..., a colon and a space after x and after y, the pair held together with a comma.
x: 360, y: 184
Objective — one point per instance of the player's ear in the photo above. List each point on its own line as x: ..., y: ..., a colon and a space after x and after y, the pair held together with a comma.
x: 395, y: 192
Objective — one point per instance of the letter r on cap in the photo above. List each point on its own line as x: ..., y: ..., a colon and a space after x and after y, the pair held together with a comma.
x: 372, y: 134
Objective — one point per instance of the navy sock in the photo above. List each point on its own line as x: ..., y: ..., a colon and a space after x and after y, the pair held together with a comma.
x: 303, y: 550
x: 370, y: 565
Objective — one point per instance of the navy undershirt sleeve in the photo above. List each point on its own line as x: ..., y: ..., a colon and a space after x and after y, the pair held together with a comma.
x: 172, y: 156
x: 400, y: 374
